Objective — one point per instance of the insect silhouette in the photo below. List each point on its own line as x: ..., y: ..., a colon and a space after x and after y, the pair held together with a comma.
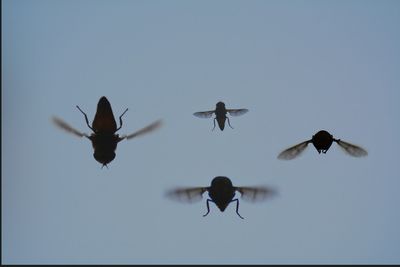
x: 322, y: 141
x: 220, y: 114
x: 221, y: 192
x: 104, y: 138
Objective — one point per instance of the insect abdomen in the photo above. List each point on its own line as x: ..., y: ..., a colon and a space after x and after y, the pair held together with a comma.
x: 104, y: 119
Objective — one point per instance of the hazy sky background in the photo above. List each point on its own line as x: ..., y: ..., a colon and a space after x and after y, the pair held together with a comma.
x: 298, y: 66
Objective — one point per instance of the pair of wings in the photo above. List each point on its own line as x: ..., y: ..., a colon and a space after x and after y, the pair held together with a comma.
x: 65, y: 126
x: 296, y: 150
x: 233, y: 112
x: 193, y: 194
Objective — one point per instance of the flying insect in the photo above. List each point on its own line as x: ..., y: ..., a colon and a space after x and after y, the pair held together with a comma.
x: 220, y: 114
x: 104, y: 138
x: 322, y: 141
x: 221, y: 193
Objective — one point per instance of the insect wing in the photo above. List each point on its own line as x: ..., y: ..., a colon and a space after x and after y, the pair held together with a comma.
x: 293, y: 151
x: 65, y: 126
x: 191, y: 194
x: 204, y: 114
x: 351, y: 149
x: 155, y: 125
x: 237, y: 112
x: 254, y: 194
x: 104, y: 119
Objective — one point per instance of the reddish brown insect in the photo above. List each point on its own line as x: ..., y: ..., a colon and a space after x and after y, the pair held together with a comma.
x: 322, y: 141
x: 221, y: 192
x: 104, y: 140
x: 220, y: 114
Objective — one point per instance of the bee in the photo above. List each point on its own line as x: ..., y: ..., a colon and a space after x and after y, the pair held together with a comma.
x: 220, y: 114
x: 221, y: 193
x: 322, y: 141
x: 104, y: 138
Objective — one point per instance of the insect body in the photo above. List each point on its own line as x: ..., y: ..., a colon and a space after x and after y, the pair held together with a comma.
x: 220, y: 114
x: 221, y: 192
x: 322, y: 141
x: 104, y: 138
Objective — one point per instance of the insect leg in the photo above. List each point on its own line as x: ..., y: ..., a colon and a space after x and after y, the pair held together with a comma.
x: 214, y: 124
x: 208, y: 207
x: 104, y: 165
x: 229, y: 122
x: 87, y: 121
x: 120, y: 119
x: 237, y: 207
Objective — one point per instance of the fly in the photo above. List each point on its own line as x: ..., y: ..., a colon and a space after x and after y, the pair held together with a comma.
x: 221, y: 193
x: 220, y: 114
x: 104, y: 138
x: 322, y: 141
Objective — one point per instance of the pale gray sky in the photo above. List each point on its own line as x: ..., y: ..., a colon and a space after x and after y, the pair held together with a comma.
x: 298, y: 66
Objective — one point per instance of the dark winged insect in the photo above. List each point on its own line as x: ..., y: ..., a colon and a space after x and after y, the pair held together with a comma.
x: 221, y: 193
x: 220, y: 114
x: 104, y: 138
x: 322, y: 141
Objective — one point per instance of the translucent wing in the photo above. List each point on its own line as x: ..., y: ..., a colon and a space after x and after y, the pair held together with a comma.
x: 256, y: 193
x: 189, y: 194
x: 293, y: 151
x: 351, y: 149
x: 204, y: 114
x: 65, y: 126
x: 155, y: 125
x: 237, y: 112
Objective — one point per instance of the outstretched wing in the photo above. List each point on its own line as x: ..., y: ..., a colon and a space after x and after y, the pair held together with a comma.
x: 65, y: 126
x: 204, y: 114
x: 254, y: 194
x: 188, y: 194
x: 154, y: 126
x: 293, y: 151
x: 351, y: 149
x: 237, y: 112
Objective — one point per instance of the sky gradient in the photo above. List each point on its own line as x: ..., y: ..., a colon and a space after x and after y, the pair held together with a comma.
x: 298, y: 66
